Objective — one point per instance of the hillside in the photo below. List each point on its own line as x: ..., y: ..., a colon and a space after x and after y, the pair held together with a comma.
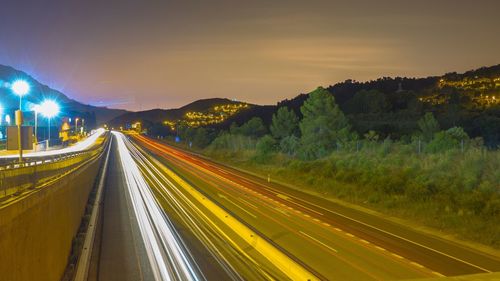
x: 204, y: 111
x: 392, y: 106
x: 40, y: 91
x: 389, y: 106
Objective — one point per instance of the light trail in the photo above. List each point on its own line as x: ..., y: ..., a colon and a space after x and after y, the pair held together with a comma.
x: 269, y: 205
x: 222, y: 247
x: 79, y: 146
x: 168, y: 256
x: 282, y: 264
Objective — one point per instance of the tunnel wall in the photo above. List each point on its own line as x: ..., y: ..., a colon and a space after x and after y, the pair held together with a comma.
x: 36, y: 232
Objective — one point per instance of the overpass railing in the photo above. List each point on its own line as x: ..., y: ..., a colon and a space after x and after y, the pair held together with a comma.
x: 16, y: 178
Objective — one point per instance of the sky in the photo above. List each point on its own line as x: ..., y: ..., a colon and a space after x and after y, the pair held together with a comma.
x: 140, y: 55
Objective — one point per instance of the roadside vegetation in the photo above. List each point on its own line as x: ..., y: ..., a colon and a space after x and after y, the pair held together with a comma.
x: 438, y: 177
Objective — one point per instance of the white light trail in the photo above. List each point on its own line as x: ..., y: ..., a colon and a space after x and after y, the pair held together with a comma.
x: 79, y: 146
x: 169, y: 258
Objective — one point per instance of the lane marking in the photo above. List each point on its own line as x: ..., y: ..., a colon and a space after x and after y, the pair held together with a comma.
x: 397, y: 256
x: 281, y: 211
x: 332, y: 249
x: 438, y: 274
x: 397, y: 236
x: 241, y: 208
x: 288, y: 199
x: 250, y: 204
x: 284, y: 197
x: 417, y: 264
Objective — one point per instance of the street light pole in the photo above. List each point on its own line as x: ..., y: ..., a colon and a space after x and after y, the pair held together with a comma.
x: 19, y: 123
x: 19, y: 127
x: 49, y: 109
x: 76, y: 126
x: 36, y: 129
x: 20, y: 88
x: 48, y: 140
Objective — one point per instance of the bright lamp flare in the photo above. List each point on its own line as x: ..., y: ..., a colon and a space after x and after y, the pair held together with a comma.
x: 20, y: 87
x: 36, y: 108
x: 49, y: 108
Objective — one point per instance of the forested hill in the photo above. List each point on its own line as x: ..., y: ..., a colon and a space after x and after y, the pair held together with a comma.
x: 392, y: 106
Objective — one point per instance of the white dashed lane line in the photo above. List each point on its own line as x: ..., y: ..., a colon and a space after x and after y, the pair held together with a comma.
x: 309, y: 236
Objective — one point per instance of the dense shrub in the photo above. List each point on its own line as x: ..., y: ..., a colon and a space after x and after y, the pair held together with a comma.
x: 452, y: 190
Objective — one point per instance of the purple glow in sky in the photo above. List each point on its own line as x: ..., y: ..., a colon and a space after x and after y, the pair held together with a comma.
x: 149, y: 54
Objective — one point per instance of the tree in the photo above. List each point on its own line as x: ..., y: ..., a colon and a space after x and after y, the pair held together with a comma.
x: 201, y: 138
x: 265, y: 147
x: 253, y: 128
x: 285, y: 123
x: 371, y: 136
x: 428, y: 126
x: 158, y: 129
x: 186, y: 133
x: 364, y: 101
x: 289, y: 145
x: 323, y: 124
x: 446, y: 140
x: 457, y: 133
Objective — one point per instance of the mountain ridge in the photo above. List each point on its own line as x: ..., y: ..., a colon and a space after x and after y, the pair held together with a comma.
x: 473, y: 96
x: 41, y: 91
x: 392, y: 106
x: 158, y: 115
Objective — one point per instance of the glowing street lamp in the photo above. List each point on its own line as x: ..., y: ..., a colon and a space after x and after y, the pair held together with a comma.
x: 49, y: 109
x: 20, y: 88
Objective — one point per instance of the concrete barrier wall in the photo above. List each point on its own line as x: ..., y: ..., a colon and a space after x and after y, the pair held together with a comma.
x: 36, y: 232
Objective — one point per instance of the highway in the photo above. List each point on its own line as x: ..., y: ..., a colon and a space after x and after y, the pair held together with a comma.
x: 215, y: 249
x: 138, y: 241
x: 313, y: 235
x: 153, y: 230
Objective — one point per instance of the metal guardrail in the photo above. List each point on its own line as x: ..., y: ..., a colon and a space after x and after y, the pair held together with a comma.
x: 16, y: 178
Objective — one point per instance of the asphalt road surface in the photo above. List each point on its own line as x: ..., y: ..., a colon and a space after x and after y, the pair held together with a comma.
x: 172, y: 215
x: 122, y: 255
x: 329, y: 240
